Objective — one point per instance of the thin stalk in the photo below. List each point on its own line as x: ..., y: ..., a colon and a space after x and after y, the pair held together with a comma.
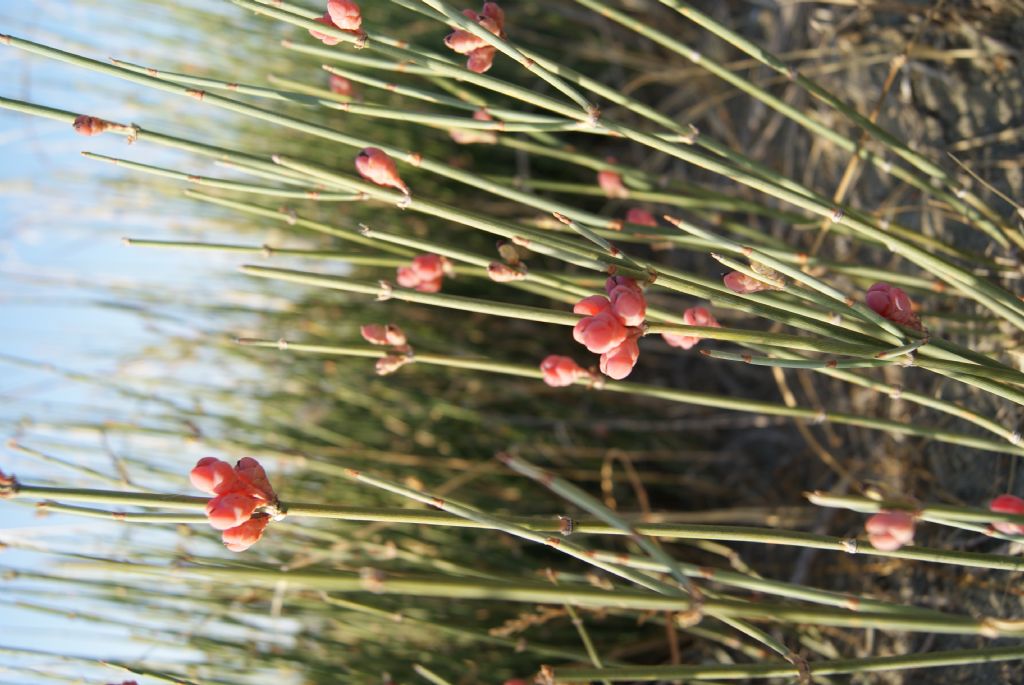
x: 845, y: 302
x: 959, y: 657
x: 795, y: 363
x: 865, y: 505
x: 578, y: 595
x: 668, y: 531
x: 540, y: 315
x: 292, y: 219
x: 495, y: 523
x: 672, y: 395
x: 311, y: 194
x: 269, y: 251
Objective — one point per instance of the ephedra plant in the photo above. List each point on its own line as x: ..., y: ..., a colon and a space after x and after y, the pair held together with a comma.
x: 716, y: 259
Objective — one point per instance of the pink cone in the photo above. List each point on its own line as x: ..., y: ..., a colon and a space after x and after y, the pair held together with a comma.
x: 390, y: 364
x: 694, y: 316
x: 245, y: 535
x: 251, y: 473
x: 90, y: 126
x: 374, y: 333
x: 375, y: 165
x: 428, y: 266
x: 492, y: 11
x: 611, y: 183
x: 463, y: 42
x: 345, y: 14
x: 1008, y: 504
x: 890, y: 530
x: 230, y: 510
x: 618, y: 362
x: 561, y: 371
x: 407, y: 277
x: 628, y: 304
x: 340, y: 85
x: 641, y: 217
x: 431, y: 286
x: 614, y: 282
x: 213, y: 476
x: 893, y: 304
x: 600, y: 333
x: 481, y: 59
x: 323, y: 37
x: 743, y: 284
x: 380, y: 334
x: 503, y: 273
x: 589, y: 306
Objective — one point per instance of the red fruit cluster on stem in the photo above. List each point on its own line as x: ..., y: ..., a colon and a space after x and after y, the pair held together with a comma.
x: 890, y: 530
x: 425, y: 273
x: 480, y: 55
x: 341, y: 14
x: 892, y: 303
x: 611, y: 325
x: 238, y: 493
x: 694, y: 316
x: 376, y: 166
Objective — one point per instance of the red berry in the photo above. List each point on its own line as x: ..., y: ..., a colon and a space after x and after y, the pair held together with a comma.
x: 245, y: 535
x: 230, y: 510
x: 213, y: 476
x: 375, y: 165
x: 600, y: 333
x: 1008, y: 504
x: 890, y: 530
x: 561, y: 371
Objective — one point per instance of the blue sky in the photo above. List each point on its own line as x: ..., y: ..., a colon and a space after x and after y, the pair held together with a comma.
x: 61, y: 220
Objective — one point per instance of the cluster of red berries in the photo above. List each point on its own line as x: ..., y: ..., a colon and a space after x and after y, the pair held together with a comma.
x: 891, y: 529
x: 340, y: 14
x: 611, y: 326
x: 892, y: 303
x: 480, y: 55
x: 425, y: 273
x: 237, y: 493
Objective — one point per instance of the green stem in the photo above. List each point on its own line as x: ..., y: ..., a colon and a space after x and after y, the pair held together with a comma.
x: 578, y: 595
x: 683, y: 396
x: 959, y: 657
